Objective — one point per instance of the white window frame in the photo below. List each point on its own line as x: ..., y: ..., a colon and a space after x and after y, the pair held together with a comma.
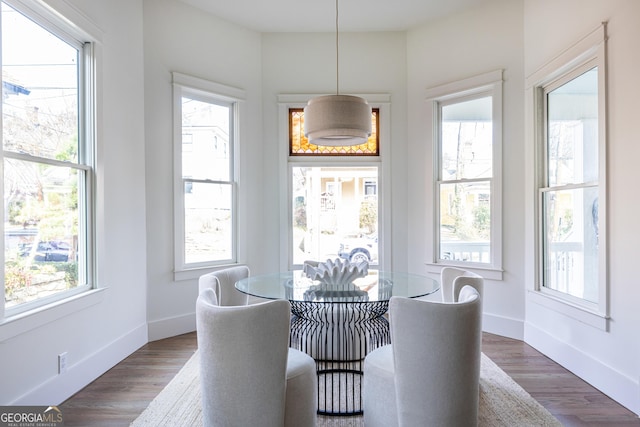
x: 287, y: 162
x: 587, y: 53
x: 488, y: 84
x: 185, y: 85
x: 66, y: 23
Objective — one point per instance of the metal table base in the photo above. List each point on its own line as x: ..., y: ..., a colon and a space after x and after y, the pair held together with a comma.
x: 338, y: 335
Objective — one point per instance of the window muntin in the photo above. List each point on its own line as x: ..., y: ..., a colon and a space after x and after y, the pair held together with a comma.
x: 206, y: 217
x: 47, y: 160
x: 299, y: 144
x: 342, y: 223
x: 570, y: 195
x: 465, y: 179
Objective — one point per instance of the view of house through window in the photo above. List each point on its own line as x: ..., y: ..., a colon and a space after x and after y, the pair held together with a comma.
x: 47, y: 165
x: 466, y: 144
x: 335, y: 213
x: 570, y: 197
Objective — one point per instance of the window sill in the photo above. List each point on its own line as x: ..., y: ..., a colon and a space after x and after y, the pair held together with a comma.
x: 32, y: 319
x: 584, y: 315
x: 486, y: 272
x: 195, y: 273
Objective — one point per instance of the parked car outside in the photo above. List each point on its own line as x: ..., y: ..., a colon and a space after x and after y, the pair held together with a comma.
x: 48, y: 251
x: 358, y: 247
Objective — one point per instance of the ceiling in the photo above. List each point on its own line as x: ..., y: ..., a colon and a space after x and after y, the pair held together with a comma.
x: 320, y: 15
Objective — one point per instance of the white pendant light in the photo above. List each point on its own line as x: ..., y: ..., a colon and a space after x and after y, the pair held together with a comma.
x: 337, y: 120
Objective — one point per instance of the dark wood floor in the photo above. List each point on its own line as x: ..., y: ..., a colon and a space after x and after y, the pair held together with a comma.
x: 122, y: 393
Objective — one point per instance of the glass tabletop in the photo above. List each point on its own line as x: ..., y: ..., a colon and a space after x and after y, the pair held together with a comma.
x: 375, y: 286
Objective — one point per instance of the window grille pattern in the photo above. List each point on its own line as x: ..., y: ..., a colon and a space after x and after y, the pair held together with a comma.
x: 299, y: 145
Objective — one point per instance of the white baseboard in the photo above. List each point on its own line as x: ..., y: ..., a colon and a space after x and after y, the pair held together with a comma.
x: 59, y: 388
x: 503, y: 326
x: 621, y: 388
x: 171, y: 326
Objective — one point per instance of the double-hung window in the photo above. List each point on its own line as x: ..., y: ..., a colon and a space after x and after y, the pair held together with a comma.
x: 467, y: 169
x: 205, y: 116
x: 47, y: 157
x: 568, y: 97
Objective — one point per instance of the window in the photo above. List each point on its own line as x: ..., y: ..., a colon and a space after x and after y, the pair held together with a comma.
x: 48, y: 149
x: 299, y: 144
x: 205, y: 177
x: 570, y: 193
x: 569, y: 98
x: 371, y: 188
x: 334, y: 208
x: 334, y: 204
x: 467, y: 123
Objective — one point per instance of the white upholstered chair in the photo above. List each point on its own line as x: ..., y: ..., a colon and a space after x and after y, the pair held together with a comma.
x: 429, y: 375
x: 249, y: 375
x: 223, y: 283
x: 452, y: 280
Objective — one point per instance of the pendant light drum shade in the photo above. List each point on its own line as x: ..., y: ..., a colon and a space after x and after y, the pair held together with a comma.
x: 337, y: 120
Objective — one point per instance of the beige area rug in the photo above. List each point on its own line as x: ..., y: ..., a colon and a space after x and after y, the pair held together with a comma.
x: 502, y: 403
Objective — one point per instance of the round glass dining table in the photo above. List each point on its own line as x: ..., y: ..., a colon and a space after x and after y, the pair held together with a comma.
x: 376, y: 286
x: 338, y: 324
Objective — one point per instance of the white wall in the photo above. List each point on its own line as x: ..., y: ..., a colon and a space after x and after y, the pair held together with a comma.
x: 609, y: 360
x: 96, y: 331
x: 182, y: 39
x: 471, y: 43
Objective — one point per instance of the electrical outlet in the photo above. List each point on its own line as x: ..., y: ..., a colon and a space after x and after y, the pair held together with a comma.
x: 62, y: 363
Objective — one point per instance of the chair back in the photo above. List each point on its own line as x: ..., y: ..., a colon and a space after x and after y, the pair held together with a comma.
x: 223, y: 283
x: 452, y: 280
x: 436, y: 351
x: 243, y: 361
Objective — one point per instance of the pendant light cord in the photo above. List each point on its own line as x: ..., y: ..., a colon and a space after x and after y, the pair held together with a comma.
x: 337, y: 54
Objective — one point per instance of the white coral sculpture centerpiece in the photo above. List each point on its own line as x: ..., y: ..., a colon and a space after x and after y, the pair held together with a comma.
x: 337, y: 272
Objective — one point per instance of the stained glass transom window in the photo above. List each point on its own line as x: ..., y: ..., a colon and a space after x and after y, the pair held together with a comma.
x: 299, y: 145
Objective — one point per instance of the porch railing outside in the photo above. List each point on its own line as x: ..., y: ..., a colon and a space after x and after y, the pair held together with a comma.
x: 466, y: 251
